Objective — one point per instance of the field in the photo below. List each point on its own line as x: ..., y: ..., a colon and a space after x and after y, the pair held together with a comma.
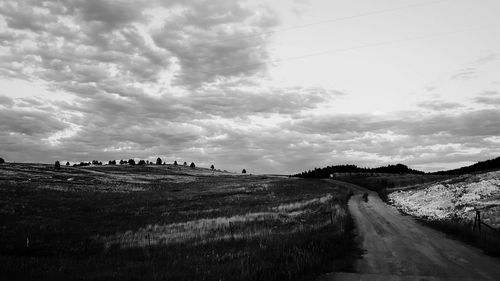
x: 168, y: 223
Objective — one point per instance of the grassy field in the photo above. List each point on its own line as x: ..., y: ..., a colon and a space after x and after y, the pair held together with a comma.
x: 168, y: 223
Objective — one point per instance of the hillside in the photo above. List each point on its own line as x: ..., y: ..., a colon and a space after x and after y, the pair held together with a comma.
x: 492, y: 164
x: 454, y: 198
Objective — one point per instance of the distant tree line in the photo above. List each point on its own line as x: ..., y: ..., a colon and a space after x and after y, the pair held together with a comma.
x: 327, y: 171
x: 492, y: 164
x: 130, y: 162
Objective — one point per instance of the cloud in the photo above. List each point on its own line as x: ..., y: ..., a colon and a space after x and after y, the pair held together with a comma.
x: 438, y: 105
x: 488, y: 98
x: 465, y: 74
x: 187, y: 81
x: 216, y: 39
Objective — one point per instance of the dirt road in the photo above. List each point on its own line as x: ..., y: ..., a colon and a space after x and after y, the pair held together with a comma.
x: 399, y: 248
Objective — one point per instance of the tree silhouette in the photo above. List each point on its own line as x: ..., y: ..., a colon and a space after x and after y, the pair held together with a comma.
x: 158, y: 161
x: 67, y: 163
x: 57, y: 165
x: 243, y: 171
x: 212, y: 167
x: 131, y: 162
x: 141, y: 162
x: 192, y: 165
x: 2, y: 161
x: 185, y: 163
x: 175, y: 163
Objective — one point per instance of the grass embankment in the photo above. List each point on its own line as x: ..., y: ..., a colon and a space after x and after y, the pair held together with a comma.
x: 488, y: 240
x: 70, y: 225
x: 450, y: 206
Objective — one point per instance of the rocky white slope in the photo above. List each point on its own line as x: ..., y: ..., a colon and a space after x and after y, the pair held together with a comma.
x: 455, y: 197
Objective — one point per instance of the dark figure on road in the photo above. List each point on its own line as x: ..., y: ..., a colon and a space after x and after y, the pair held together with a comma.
x: 365, y: 197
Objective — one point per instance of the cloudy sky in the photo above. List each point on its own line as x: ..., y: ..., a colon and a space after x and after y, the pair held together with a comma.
x: 271, y: 86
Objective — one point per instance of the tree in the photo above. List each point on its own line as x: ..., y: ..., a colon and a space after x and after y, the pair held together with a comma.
x: 192, y: 165
x: 57, y: 165
x: 112, y: 162
x: 243, y: 171
x: 175, y: 163
x: 2, y: 161
x: 141, y: 162
x: 158, y: 161
x: 131, y: 162
x: 67, y: 163
x: 122, y: 162
x: 185, y: 164
x: 212, y: 167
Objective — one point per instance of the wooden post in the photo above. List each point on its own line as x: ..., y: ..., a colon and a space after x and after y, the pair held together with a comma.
x: 231, y: 230
x: 478, y: 214
x: 477, y: 221
x: 331, y: 217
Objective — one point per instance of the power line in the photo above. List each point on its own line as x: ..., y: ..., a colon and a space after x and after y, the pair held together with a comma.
x: 375, y: 12
x: 364, y: 46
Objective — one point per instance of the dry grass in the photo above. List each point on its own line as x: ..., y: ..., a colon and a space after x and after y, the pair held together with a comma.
x: 157, y: 223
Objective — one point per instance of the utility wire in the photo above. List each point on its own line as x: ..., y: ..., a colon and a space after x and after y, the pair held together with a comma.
x: 364, y: 46
x: 375, y: 12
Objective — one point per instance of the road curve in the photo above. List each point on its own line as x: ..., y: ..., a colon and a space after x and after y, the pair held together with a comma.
x: 399, y: 248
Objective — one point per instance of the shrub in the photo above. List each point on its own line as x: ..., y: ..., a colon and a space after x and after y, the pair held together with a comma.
x: 192, y: 165
x: 243, y: 171
x: 185, y: 164
x: 57, y: 165
x: 158, y: 161
x: 67, y: 163
x: 175, y: 163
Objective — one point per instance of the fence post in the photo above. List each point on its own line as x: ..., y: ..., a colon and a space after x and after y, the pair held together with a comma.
x: 331, y: 213
x: 231, y: 230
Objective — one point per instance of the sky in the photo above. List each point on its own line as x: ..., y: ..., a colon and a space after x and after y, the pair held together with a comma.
x: 276, y: 86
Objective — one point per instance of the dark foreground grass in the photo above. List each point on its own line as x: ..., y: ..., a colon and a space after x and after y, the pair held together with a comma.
x: 488, y: 240
x: 299, y: 256
x: 62, y: 225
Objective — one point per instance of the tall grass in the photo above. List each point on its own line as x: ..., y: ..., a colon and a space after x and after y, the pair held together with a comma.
x: 211, y: 228
x: 488, y: 240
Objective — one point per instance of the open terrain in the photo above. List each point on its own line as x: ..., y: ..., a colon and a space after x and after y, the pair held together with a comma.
x: 397, y: 247
x: 168, y: 223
